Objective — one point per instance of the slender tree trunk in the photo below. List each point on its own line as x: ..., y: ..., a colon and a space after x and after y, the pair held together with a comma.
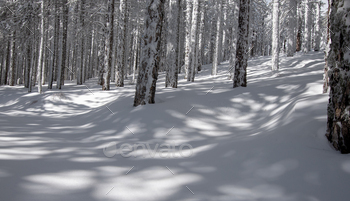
x: 56, y: 40
x: 218, y: 40
x: 188, y: 45
x: 108, y: 45
x: 119, y: 82
x: 148, y: 73
x: 234, y: 40
x: 240, y: 77
x: 275, y: 36
x: 136, y: 43
x: 60, y: 79
x: 325, y: 74
x: 6, y: 64
x: 317, y: 27
x: 291, y: 27
x: 307, y: 30
x: 194, y: 42
x: 41, y: 47
x: 171, y: 65
x: 201, y: 36
x: 299, y: 43
x: 12, y: 72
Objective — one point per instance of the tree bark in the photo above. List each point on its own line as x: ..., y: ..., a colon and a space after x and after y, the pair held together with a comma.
x: 148, y: 73
x: 338, y: 124
x: 172, y: 43
x: 275, y: 37
x: 119, y: 76
x: 218, y: 40
x: 240, y: 77
x: 108, y: 46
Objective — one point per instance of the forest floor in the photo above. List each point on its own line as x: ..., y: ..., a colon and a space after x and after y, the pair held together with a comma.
x: 263, y: 142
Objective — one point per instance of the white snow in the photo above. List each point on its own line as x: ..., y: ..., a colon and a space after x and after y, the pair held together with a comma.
x: 263, y: 142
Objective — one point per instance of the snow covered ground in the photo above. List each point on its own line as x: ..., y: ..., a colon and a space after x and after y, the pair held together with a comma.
x: 263, y: 142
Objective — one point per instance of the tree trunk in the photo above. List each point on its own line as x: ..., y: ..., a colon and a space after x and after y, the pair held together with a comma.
x: 194, y: 30
x: 275, y: 36
x: 291, y: 27
x: 108, y: 46
x: 338, y: 125
x: 60, y: 77
x: 41, y: 47
x: 299, y: 43
x: 201, y: 42
x: 307, y: 30
x: 119, y: 76
x: 171, y: 65
x: 240, y: 77
x: 188, y: 45
x: 148, y: 73
x: 12, y: 72
x: 218, y: 40
x: 234, y: 40
x: 325, y: 74
x: 317, y: 27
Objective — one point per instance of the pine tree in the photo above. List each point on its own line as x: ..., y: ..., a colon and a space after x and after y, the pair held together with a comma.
x: 148, y: 73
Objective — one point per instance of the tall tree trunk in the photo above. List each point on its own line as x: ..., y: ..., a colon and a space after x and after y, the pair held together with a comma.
x: 81, y: 47
x: 240, y: 77
x: 307, y: 30
x: 325, y: 74
x: 60, y: 79
x: 275, y: 36
x: 338, y: 125
x: 171, y: 65
x: 119, y: 82
x: 317, y: 27
x: 41, y: 47
x: 291, y: 27
x: 12, y: 72
x: 194, y: 42
x: 57, y: 40
x: 148, y: 73
x: 234, y: 40
x: 188, y: 45
x: 299, y: 43
x: 201, y: 42
x: 108, y: 46
x: 218, y: 40
x: 136, y: 42
x: 6, y: 66
x: 179, y: 38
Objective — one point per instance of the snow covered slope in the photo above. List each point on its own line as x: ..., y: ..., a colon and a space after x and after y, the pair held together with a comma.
x: 263, y: 142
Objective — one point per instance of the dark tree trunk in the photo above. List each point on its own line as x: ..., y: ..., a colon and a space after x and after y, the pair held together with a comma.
x: 240, y: 77
x: 338, y: 125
